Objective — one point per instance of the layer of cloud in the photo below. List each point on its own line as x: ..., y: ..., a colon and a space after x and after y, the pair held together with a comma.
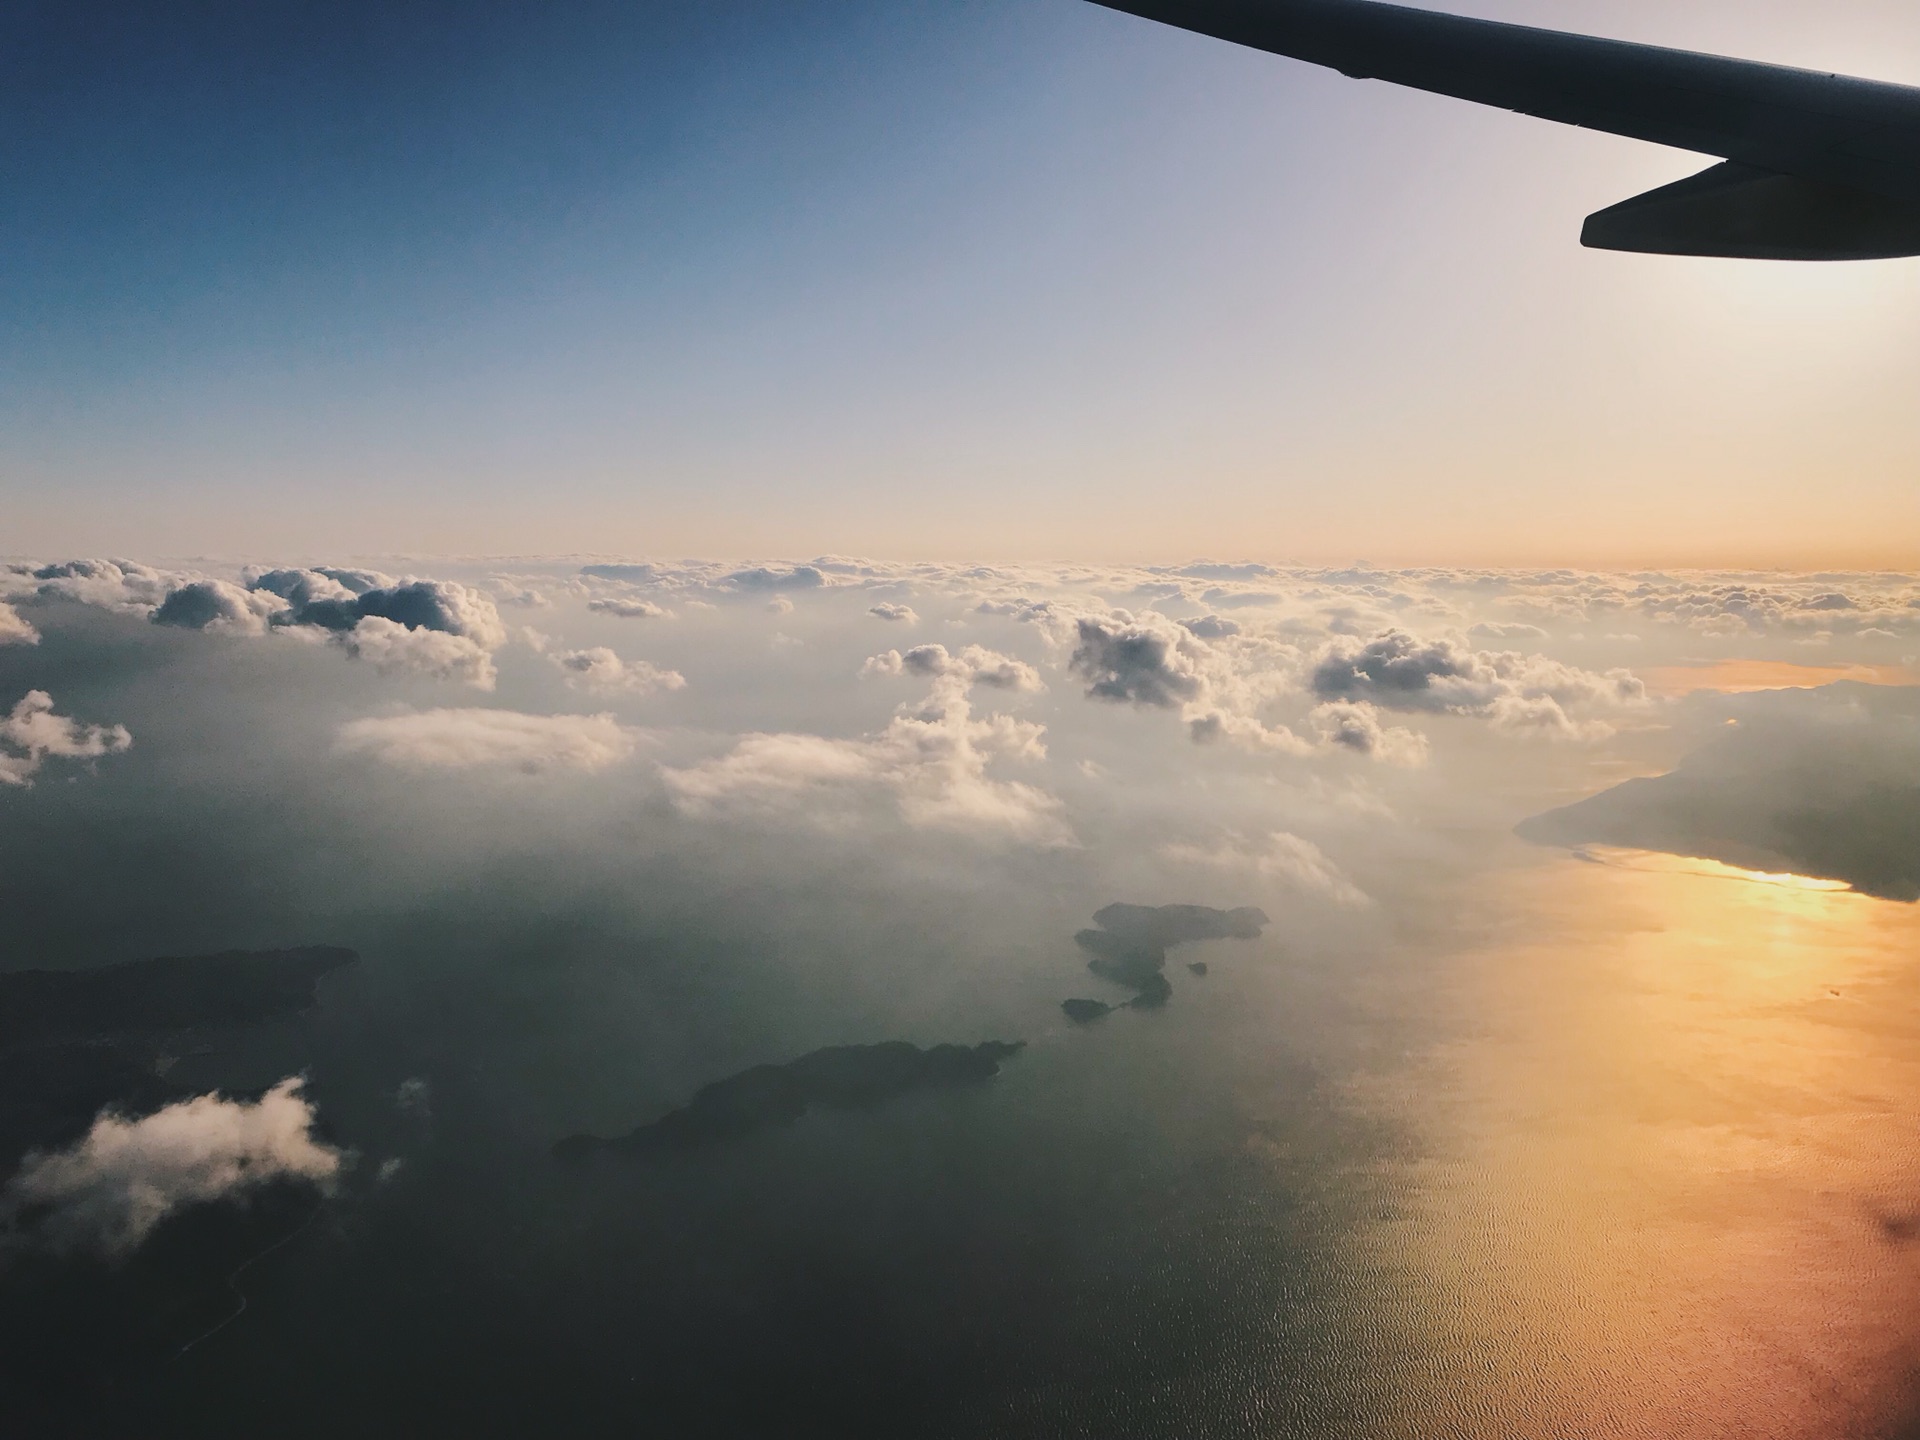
x: 110, y: 1189
x: 497, y: 740
x: 33, y: 733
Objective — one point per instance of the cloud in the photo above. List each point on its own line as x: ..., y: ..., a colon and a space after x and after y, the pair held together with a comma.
x: 929, y: 766
x: 1145, y: 661
x: 391, y: 647
x: 489, y: 740
x: 1278, y: 856
x: 1507, y: 630
x: 14, y: 629
x: 976, y: 665
x: 119, y: 585
x: 1355, y: 725
x: 1209, y: 570
x: 109, y: 1190
x: 33, y: 733
x: 218, y: 605
x: 600, y: 669
x: 628, y: 609
x: 1210, y: 627
x: 904, y: 613
x: 339, y: 600
x: 800, y: 577
x: 1523, y: 694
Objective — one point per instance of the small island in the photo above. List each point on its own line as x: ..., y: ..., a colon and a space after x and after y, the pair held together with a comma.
x: 1130, y: 947
x: 841, y: 1077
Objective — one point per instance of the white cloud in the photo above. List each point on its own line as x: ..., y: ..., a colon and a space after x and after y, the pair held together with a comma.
x: 628, y: 609
x: 119, y: 585
x: 929, y: 766
x: 902, y: 613
x: 490, y: 740
x: 219, y: 605
x: 975, y: 665
x: 602, y: 670
x: 110, y: 1189
x: 1278, y: 856
x: 1355, y: 725
x: 393, y: 647
x: 1522, y: 694
x: 14, y: 628
x: 33, y: 733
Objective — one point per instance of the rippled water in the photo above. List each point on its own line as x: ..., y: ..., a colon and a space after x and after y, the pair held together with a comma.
x: 1615, y: 1145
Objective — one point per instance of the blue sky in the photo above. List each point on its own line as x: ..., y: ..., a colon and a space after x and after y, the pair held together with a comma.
x: 1013, y: 278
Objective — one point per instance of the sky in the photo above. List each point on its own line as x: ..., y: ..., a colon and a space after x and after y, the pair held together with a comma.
x: 969, y: 280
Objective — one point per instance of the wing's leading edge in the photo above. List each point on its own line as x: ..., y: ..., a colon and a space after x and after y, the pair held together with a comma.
x: 1823, y: 166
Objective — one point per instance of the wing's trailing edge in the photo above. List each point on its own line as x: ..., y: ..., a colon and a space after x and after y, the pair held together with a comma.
x: 1822, y: 167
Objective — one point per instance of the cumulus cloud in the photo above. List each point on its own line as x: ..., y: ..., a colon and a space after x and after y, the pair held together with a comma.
x: 110, y: 1189
x: 627, y: 609
x: 498, y: 740
x: 392, y: 647
x: 929, y: 766
x: 14, y: 629
x: 975, y: 665
x: 888, y: 611
x: 119, y: 585
x: 33, y: 733
x: 1211, y: 627
x: 431, y: 627
x: 1354, y: 725
x: 600, y: 669
x: 339, y: 600
x: 1525, y: 694
x: 218, y: 605
x: 1277, y: 856
x: 1142, y: 661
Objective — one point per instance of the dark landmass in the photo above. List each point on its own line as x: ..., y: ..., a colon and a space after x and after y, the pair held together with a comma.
x: 1198, y: 967
x: 183, y: 992
x: 1824, y: 783
x: 1130, y: 947
x: 1083, y: 1012
x: 842, y: 1077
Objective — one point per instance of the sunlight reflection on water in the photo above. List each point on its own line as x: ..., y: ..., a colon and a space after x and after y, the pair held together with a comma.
x: 1673, y: 1184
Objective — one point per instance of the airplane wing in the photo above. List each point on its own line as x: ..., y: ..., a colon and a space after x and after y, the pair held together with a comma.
x: 1819, y: 166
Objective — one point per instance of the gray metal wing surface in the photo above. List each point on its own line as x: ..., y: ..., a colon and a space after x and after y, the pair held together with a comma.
x: 1818, y: 166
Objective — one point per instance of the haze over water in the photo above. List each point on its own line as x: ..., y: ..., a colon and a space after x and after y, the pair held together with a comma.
x: 1606, y: 1131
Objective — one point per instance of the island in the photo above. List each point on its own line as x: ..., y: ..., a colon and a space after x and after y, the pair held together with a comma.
x: 841, y: 1077
x: 1130, y: 947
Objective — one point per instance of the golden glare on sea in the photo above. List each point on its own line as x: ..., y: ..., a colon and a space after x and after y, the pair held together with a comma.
x: 1669, y: 1179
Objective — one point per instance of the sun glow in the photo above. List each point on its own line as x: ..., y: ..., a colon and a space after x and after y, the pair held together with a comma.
x: 1680, y: 1148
